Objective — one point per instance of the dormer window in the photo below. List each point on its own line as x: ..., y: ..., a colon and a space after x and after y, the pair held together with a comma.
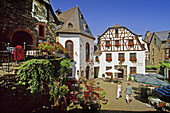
x: 70, y: 25
x: 86, y: 28
x: 81, y: 16
x: 155, y: 41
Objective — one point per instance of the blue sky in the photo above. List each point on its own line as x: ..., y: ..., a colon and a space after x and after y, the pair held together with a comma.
x: 138, y: 16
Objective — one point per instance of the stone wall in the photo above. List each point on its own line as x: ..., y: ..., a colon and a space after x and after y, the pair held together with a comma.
x: 18, y: 14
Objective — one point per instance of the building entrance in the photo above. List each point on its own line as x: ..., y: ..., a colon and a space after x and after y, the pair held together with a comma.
x: 20, y: 37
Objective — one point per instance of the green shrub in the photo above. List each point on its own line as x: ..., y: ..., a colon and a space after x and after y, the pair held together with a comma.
x: 130, y: 78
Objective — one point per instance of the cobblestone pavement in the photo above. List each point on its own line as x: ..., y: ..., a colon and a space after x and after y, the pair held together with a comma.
x: 136, y: 105
x: 120, y: 105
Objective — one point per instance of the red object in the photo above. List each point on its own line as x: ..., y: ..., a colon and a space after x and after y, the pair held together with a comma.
x: 90, y: 88
x: 18, y: 53
x: 86, y: 94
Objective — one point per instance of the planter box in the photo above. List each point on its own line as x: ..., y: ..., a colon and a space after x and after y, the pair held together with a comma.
x: 131, y: 44
x: 109, y: 73
x: 121, y: 59
x: 108, y: 59
x: 107, y: 45
x: 117, y: 44
x: 97, y: 59
x: 133, y: 59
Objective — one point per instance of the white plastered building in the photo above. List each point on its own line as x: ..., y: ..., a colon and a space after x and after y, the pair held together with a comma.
x: 75, y: 35
x: 119, y: 49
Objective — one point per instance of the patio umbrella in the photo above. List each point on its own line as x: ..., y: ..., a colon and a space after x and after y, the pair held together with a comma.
x: 136, y: 75
x: 163, y: 93
x: 156, y: 75
x: 142, y: 79
x: 151, y: 81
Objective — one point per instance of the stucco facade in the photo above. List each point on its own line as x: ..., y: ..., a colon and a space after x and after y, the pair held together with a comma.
x: 79, y: 53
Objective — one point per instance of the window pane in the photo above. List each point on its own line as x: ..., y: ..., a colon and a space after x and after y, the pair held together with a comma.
x: 69, y: 47
x: 87, y: 52
x: 121, y: 55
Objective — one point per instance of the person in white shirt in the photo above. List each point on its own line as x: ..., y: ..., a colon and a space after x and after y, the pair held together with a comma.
x: 119, y: 89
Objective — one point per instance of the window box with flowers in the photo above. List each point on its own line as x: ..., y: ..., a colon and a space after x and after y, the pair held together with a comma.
x: 169, y: 40
x: 117, y: 44
x: 131, y: 44
x: 97, y: 59
x: 108, y: 59
x: 51, y: 49
x: 121, y: 59
x: 132, y: 72
x: 109, y: 73
x: 133, y: 59
x: 107, y: 44
x: 167, y: 57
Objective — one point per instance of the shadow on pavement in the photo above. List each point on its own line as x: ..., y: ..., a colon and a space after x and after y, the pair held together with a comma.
x: 110, y: 111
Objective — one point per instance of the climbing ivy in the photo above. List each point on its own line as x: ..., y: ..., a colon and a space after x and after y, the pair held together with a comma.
x: 164, y: 64
x: 153, y: 67
x: 37, y: 75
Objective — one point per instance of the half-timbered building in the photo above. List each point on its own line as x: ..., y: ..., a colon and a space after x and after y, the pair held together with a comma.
x: 122, y: 51
x: 76, y: 37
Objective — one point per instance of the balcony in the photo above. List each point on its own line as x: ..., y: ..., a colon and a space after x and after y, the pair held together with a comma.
x: 121, y: 59
x: 109, y: 73
x: 131, y: 44
x: 133, y: 59
x: 108, y: 45
x: 117, y: 44
x: 108, y: 59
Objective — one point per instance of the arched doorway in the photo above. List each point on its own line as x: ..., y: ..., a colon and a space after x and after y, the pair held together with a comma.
x: 87, y: 72
x: 20, y: 37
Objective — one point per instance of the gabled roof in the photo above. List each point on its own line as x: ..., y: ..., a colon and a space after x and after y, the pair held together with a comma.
x: 74, y: 16
x: 162, y: 35
x: 117, y: 26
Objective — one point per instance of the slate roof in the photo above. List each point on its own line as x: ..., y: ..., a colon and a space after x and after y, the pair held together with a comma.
x: 73, y: 16
x: 162, y: 35
x: 47, y: 1
x: 167, y: 45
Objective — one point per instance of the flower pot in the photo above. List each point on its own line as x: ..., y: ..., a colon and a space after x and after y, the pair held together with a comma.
x: 104, y: 101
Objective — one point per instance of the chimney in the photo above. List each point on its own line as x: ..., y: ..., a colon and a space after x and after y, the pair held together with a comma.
x: 148, y: 33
